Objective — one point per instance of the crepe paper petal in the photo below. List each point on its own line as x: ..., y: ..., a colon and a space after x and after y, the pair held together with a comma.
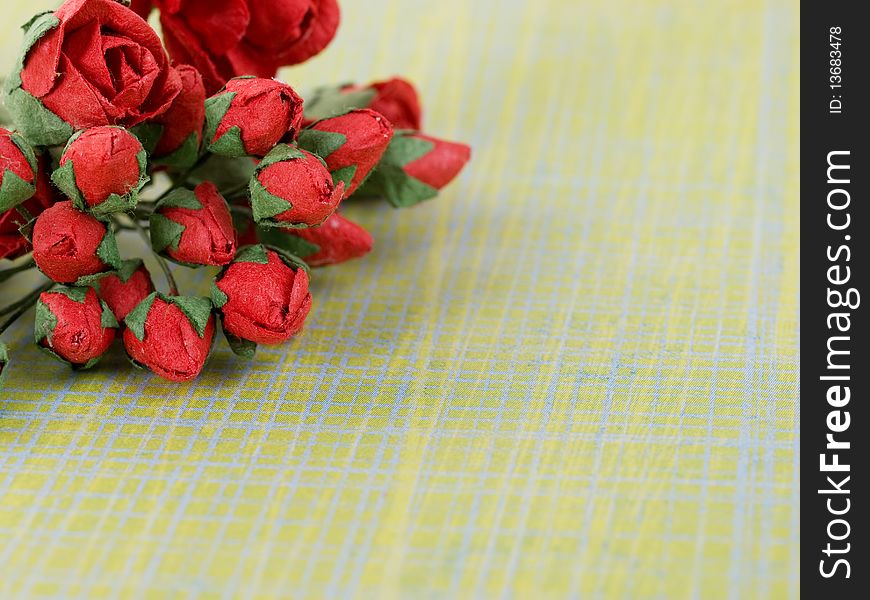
x: 13, y: 243
x: 262, y: 296
x: 414, y: 168
x: 142, y: 8
x: 181, y: 126
x: 18, y: 170
x: 170, y: 335
x: 250, y: 116
x: 69, y: 244
x: 74, y: 325
x: 351, y: 144
x: 125, y: 288
x: 194, y: 228
x: 102, y: 170
x: 336, y: 241
x: 396, y: 99
x: 293, y: 188
x: 90, y: 63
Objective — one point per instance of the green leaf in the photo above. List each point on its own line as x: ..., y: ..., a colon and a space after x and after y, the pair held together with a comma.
x: 135, y: 319
x: 252, y: 254
x: 44, y: 322
x: 197, y: 309
x: 37, y: 124
x: 264, y: 204
x: 321, y: 143
x: 181, y: 198
x: 165, y: 233
x: 13, y: 191
x: 329, y: 102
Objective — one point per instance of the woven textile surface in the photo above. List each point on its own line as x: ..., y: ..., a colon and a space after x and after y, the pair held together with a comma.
x: 574, y: 374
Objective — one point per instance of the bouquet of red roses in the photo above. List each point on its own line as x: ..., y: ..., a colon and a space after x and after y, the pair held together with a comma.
x: 212, y: 160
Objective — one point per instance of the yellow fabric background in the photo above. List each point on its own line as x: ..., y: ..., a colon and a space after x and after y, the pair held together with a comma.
x: 574, y: 374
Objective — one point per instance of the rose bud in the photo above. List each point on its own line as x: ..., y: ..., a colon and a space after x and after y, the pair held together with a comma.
x: 194, y: 228
x: 250, y: 115
x: 396, y: 99
x: 69, y: 244
x: 415, y: 167
x: 293, y: 188
x: 181, y: 126
x: 170, y: 335
x: 12, y: 242
x: 102, y: 170
x: 123, y: 289
x: 74, y: 325
x: 351, y: 144
x: 335, y: 241
x: 89, y: 63
x: 17, y: 170
x: 263, y: 297
x: 248, y: 37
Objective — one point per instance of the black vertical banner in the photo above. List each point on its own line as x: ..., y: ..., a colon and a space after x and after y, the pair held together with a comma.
x: 835, y: 370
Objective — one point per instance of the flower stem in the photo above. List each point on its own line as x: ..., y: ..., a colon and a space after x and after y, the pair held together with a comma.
x: 11, y: 272
x: 22, y: 306
x: 167, y: 272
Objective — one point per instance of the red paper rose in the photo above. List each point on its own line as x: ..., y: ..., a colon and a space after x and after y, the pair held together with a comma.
x: 17, y: 170
x: 194, y: 227
x: 102, y: 170
x: 293, y: 188
x: 336, y: 241
x: 74, y: 325
x: 351, y: 144
x: 170, y: 335
x: 182, y: 124
x: 12, y: 243
x: 415, y: 167
x: 69, y: 244
x: 142, y: 8
x: 262, y: 296
x: 395, y: 98
x: 90, y: 63
x: 226, y: 38
x: 123, y: 290
x: 250, y: 115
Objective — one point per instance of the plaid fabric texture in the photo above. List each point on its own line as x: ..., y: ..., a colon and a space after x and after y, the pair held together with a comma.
x: 574, y: 374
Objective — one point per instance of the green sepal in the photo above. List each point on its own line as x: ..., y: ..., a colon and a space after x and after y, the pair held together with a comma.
x: 184, y: 156
x: 218, y: 297
x: 216, y: 108
x: 65, y: 179
x: 107, y: 251
x: 327, y: 102
x: 164, y: 232
x: 4, y: 363
x: 390, y: 178
x: 44, y: 322
x: 344, y: 175
x: 265, y: 205
x: 252, y: 254
x: 321, y: 143
x: 107, y: 318
x: 197, y: 309
x: 75, y: 293
x: 148, y: 134
x: 35, y: 122
x: 280, y: 153
x: 287, y: 241
x: 180, y: 198
x: 128, y: 268
x: 242, y: 348
x: 34, y: 29
x: 229, y: 144
x: 135, y: 319
x: 14, y: 190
